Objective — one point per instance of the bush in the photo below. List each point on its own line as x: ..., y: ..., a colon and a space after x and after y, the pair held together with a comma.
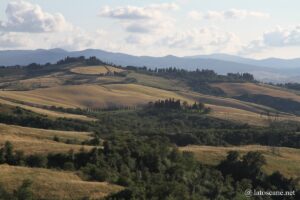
x: 36, y: 161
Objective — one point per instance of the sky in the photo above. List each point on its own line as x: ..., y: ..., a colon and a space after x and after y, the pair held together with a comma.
x: 249, y: 28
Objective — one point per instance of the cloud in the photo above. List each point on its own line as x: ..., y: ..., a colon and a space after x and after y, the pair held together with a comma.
x: 147, y: 19
x: 206, y: 39
x: 136, y: 13
x: 195, y: 15
x: 139, y: 40
x: 150, y: 26
x: 228, y: 14
x: 23, y: 16
x: 13, y: 40
x: 276, y: 38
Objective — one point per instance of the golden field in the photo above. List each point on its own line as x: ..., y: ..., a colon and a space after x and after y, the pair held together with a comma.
x: 50, y: 184
x: 287, y: 161
x: 33, y: 140
x: 101, y: 96
x: 49, y: 113
x: 236, y: 89
x: 94, y: 70
x: 91, y: 96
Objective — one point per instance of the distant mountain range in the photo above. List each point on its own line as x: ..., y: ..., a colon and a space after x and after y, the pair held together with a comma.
x: 272, y: 69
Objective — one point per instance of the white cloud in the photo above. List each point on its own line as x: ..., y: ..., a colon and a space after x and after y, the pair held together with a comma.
x: 23, y: 16
x: 149, y: 19
x: 228, y: 14
x: 136, y: 13
x: 150, y: 26
x: 276, y: 38
x: 205, y: 39
x: 195, y: 15
x: 139, y: 40
x: 13, y: 40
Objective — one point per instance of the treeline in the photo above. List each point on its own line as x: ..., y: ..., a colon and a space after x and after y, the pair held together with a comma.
x: 177, y: 105
x: 67, y: 60
x: 151, y: 168
x: 88, y: 61
x: 281, y: 104
x: 293, y: 86
x: 22, y: 117
x: 278, y: 137
x: 198, y: 80
x: 203, y: 75
x: 181, y: 126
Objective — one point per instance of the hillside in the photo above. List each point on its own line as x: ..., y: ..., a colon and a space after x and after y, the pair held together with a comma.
x: 84, y: 128
x: 32, y: 140
x: 236, y: 89
x: 52, y: 184
x: 38, y: 88
x: 285, y: 160
x: 271, y: 69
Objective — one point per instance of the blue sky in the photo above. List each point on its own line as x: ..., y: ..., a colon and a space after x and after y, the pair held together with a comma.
x: 258, y: 29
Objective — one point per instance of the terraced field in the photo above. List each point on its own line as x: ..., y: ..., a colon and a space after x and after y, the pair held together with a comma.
x: 50, y: 184
x: 286, y: 160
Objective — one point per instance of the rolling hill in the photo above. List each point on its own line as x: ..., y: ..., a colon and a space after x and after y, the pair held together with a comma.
x: 89, y: 88
x: 32, y: 140
x: 285, y: 160
x: 111, y: 108
x: 267, y: 69
x: 51, y: 184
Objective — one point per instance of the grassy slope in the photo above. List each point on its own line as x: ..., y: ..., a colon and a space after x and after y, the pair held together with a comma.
x: 73, y: 96
x: 104, y: 91
x: 49, y: 113
x: 133, y: 94
x: 49, y: 184
x: 32, y: 140
x: 236, y: 89
x: 157, y: 82
x: 287, y: 162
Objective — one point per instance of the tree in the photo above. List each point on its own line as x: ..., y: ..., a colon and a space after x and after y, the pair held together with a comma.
x: 24, y: 191
x: 8, y: 153
x: 253, y: 162
x: 36, y: 161
x: 2, y: 157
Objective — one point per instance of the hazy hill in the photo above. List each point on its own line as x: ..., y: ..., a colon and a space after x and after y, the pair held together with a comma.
x: 268, y: 62
x: 273, y: 69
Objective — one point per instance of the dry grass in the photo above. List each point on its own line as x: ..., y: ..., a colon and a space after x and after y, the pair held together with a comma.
x: 238, y: 115
x: 49, y: 184
x: 287, y: 162
x: 94, y: 70
x: 96, y: 96
x: 251, y: 118
x: 238, y: 111
x: 32, y: 140
x: 158, y: 82
x: 114, y: 69
x: 49, y: 113
x: 43, y: 81
x: 236, y: 89
x: 85, y: 95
